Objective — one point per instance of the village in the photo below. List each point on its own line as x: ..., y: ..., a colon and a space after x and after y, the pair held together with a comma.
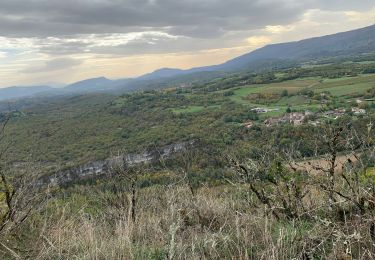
x: 304, y: 117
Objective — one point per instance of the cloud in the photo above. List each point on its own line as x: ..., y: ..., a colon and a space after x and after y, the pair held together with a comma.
x: 54, y: 65
x: 131, y: 27
x: 193, y: 18
x: 55, y: 35
x: 3, y: 54
x: 101, y: 43
x: 44, y: 18
x: 317, y: 22
x: 258, y: 41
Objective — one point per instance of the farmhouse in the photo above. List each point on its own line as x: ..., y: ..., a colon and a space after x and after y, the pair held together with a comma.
x: 275, y: 121
x: 260, y: 110
x: 335, y: 113
x: 248, y: 124
x: 358, y: 111
x: 297, y: 118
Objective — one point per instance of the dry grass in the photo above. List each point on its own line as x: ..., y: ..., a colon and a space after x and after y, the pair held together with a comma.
x: 216, y: 223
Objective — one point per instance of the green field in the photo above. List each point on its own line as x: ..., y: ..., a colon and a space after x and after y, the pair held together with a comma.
x: 339, y: 87
x: 189, y: 109
x: 346, y: 86
x: 293, y: 100
x: 292, y: 86
x: 192, y: 109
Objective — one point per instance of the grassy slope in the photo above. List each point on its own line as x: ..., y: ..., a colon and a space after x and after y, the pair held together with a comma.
x: 192, y: 109
x: 338, y: 87
x: 345, y: 86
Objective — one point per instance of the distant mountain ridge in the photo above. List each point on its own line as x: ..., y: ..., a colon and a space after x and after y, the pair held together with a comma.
x: 21, y: 92
x: 162, y: 73
x: 90, y: 84
x: 353, y: 42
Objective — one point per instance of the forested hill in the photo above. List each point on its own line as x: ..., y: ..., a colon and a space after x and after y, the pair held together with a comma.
x: 345, y: 43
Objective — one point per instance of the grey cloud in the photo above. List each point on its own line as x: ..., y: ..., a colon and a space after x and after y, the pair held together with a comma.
x: 41, y: 18
x: 146, y: 44
x: 196, y: 18
x: 334, y: 5
x: 54, y: 65
x: 216, y: 23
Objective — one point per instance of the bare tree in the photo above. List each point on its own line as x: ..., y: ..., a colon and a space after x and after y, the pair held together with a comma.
x: 125, y: 185
x: 341, y: 172
x: 187, y: 160
x: 20, y: 191
x: 277, y: 186
x: 281, y: 179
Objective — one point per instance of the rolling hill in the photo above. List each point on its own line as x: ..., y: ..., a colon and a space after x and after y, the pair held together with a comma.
x: 90, y: 84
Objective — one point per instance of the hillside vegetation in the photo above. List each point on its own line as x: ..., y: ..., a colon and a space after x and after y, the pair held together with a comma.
x: 274, y: 164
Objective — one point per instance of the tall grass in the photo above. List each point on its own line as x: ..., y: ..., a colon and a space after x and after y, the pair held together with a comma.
x: 172, y: 223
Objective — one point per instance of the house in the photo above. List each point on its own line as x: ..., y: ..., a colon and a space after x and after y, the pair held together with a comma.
x: 261, y: 110
x: 358, y: 111
x: 248, y: 124
x: 297, y: 118
x: 314, y: 123
x: 293, y: 118
x: 309, y: 113
x: 275, y: 121
x: 335, y: 113
x: 340, y: 110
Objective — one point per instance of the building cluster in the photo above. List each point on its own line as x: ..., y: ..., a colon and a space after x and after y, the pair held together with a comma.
x: 358, y: 111
x: 298, y: 118
x: 295, y: 118
x: 336, y: 113
x: 262, y: 110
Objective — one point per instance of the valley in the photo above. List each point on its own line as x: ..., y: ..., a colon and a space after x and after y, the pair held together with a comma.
x: 270, y: 155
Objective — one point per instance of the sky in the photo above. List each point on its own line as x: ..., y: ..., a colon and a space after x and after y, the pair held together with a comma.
x: 55, y: 41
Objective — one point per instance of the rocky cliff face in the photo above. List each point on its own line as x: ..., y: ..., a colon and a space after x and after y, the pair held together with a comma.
x: 101, y: 168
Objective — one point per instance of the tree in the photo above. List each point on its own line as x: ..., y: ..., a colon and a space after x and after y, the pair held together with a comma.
x: 21, y: 192
x: 275, y: 184
x: 348, y: 191
x: 188, y: 160
x: 280, y: 179
x: 284, y: 93
x: 125, y: 185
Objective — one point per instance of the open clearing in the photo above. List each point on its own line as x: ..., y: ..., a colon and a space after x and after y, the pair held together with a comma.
x: 338, y: 87
x: 192, y: 109
x: 292, y: 86
x: 346, y: 86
